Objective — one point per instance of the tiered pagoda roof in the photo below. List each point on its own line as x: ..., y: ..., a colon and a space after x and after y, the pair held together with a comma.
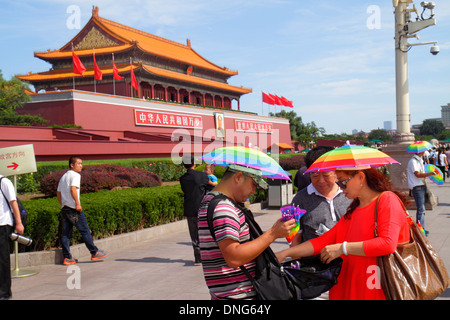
x: 151, y: 57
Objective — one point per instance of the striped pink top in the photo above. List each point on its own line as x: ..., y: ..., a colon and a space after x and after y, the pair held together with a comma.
x: 228, y: 223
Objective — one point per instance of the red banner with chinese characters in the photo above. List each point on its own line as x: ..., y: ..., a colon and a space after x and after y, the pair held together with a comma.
x: 166, y: 119
x: 244, y: 125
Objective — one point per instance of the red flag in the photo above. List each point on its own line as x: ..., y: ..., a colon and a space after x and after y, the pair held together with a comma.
x: 78, y: 67
x: 97, y: 72
x: 133, y: 78
x: 267, y: 99
x: 286, y: 102
x: 189, y: 70
x: 116, y: 72
x: 277, y: 99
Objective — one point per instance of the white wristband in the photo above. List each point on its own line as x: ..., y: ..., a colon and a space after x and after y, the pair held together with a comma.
x: 344, y: 248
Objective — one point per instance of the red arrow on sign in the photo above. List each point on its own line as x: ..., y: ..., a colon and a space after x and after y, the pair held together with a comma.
x: 13, y: 166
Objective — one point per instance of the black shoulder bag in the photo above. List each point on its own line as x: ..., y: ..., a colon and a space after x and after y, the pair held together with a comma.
x: 22, y: 210
x: 270, y: 281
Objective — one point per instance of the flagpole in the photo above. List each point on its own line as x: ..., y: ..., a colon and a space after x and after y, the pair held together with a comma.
x: 114, y: 79
x: 95, y: 87
x: 131, y: 87
x: 262, y: 105
x: 73, y: 73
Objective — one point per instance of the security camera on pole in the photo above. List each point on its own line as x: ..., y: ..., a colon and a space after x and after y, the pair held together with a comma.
x: 406, y: 28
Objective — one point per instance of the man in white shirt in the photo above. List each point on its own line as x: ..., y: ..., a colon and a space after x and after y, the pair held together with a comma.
x: 416, y: 174
x: 8, y: 202
x: 68, y: 194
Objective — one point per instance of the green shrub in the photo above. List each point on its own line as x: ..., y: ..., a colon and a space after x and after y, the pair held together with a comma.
x: 108, y: 213
x: 27, y: 183
x: 292, y: 163
x: 167, y: 170
x: 104, y: 176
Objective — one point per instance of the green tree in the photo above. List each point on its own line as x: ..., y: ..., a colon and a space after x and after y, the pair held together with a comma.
x: 444, y: 135
x: 424, y: 138
x: 432, y: 127
x: 13, y: 96
x: 380, y: 134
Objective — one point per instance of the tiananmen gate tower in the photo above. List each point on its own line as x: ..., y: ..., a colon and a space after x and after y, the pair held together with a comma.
x: 183, y: 101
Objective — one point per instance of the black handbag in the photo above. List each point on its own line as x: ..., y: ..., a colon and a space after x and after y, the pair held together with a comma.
x: 22, y: 210
x: 313, y: 276
x: 270, y: 282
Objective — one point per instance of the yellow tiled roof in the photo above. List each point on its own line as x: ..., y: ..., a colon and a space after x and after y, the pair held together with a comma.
x: 145, y: 41
x: 192, y: 79
x: 125, y: 68
x: 163, y: 47
x: 58, y: 54
x: 68, y: 73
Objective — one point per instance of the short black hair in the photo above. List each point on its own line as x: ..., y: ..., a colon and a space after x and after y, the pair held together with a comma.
x: 188, y: 161
x: 73, y: 160
x: 315, y: 153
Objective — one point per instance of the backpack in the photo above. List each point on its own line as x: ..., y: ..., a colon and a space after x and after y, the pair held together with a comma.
x: 22, y: 210
x: 270, y: 281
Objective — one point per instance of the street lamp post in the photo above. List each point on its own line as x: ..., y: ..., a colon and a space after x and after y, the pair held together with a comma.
x: 405, y: 28
x: 401, y: 76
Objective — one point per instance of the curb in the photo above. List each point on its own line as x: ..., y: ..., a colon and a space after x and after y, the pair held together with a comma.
x: 79, y: 251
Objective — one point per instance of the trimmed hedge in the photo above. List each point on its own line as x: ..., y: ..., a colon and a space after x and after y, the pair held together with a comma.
x: 104, y: 176
x: 108, y: 213
x: 292, y: 163
x: 163, y: 167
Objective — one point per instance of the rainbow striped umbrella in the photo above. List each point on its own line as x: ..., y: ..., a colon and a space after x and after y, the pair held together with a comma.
x: 438, y: 178
x: 248, y: 157
x: 419, y: 146
x: 351, y: 156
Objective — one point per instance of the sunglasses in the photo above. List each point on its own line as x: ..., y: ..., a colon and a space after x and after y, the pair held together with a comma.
x: 343, y: 184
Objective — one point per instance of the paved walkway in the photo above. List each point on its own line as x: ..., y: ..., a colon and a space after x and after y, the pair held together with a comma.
x: 162, y: 268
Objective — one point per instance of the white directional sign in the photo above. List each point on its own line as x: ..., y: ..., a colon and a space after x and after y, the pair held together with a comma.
x: 17, y: 160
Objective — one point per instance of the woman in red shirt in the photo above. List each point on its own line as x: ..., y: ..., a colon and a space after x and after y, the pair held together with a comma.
x: 352, y: 238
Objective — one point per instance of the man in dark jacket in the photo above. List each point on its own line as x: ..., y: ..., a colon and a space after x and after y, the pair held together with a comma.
x: 193, y: 183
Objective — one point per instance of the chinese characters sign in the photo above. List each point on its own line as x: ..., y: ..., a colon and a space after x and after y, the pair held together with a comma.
x: 243, y: 125
x: 165, y: 119
x: 17, y: 160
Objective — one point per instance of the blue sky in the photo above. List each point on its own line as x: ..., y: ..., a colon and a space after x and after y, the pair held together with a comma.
x: 334, y: 59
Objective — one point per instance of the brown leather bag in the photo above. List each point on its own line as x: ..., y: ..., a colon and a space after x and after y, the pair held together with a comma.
x: 414, y: 271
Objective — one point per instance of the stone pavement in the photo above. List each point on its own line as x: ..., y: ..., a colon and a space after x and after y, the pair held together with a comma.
x: 161, y: 267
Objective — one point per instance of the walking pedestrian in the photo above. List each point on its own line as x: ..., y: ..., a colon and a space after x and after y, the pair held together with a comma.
x: 68, y: 194
x: 193, y: 184
x: 416, y: 173
x: 442, y: 161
